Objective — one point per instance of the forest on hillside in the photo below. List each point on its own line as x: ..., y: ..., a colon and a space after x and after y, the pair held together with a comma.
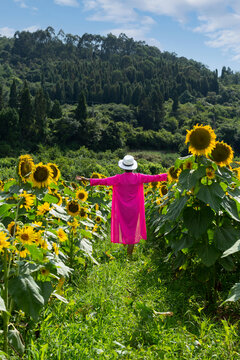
x: 108, y: 93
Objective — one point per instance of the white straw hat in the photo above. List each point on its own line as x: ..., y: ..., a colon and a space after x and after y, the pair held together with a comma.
x: 128, y: 163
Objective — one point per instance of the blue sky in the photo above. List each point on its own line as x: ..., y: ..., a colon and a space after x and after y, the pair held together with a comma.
x: 204, y: 30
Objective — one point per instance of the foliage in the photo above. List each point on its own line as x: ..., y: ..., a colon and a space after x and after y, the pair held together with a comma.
x: 198, y: 215
x: 41, y: 239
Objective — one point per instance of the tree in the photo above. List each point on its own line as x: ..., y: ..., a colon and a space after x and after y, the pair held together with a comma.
x: 1, y: 98
x: 175, y: 103
x: 13, y: 97
x: 25, y: 112
x: 56, y: 112
x: 81, y: 110
x: 111, y: 137
x: 9, y: 126
x: 40, y: 108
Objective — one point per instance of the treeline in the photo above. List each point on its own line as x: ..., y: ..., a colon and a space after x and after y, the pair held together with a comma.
x: 27, y: 121
x: 107, y: 93
x: 106, y: 69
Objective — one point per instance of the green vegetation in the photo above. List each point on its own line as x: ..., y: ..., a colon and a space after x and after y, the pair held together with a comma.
x: 114, y: 313
x: 107, y: 93
x: 85, y: 162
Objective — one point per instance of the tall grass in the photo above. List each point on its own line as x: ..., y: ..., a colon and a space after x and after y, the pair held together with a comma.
x: 115, y: 312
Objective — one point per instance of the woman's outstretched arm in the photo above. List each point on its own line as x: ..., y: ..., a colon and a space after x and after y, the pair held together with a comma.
x: 109, y: 181
x: 153, y: 178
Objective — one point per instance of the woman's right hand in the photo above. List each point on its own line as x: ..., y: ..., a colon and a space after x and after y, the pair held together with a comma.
x: 81, y: 178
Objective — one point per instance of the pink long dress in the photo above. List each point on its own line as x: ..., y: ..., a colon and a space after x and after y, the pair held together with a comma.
x: 128, y: 224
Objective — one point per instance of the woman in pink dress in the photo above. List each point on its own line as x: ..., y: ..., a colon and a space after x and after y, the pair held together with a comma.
x: 128, y: 224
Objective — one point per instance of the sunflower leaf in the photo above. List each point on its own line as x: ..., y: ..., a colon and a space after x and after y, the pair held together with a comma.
x: 211, y: 194
x: 230, y: 206
x: 26, y: 294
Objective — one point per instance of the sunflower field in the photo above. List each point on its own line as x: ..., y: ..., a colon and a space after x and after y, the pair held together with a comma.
x: 47, y: 228
x: 197, y: 212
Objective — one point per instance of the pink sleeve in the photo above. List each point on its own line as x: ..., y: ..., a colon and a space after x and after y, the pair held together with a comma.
x: 152, y: 178
x: 112, y: 180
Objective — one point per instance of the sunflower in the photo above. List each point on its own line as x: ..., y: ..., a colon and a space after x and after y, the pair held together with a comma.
x: 158, y: 201
x: 96, y: 206
x: 83, y: 212
x: 38, y: 238
x: 28, y: 200
x: 4, y: 244
x: 37, y: 223
x: 26, y: 235
x: 55, y: 248
x: 173, y: 174
x: 44, y: 272
x: 202, y: 140
x: 81, y: 195
x: 188, y: 165
x: 73, y: 224
x: 42, y: 175
x: 56, y: 172
x: 95, y: 175
x: 98, y: 219
x: 237, y: 172
x: 57, y: 195
x: 13, y: 228
x: 222, y: 154
x: 24, y: 167
x: 163, y: 190
x: 95, y: 228
x: 62, y: 235
x: 23, y: 253
x: 1, y: 185
x: 42, y: 209
x: 210, y: 172
x: 74, y: 185
x: 73, y: 207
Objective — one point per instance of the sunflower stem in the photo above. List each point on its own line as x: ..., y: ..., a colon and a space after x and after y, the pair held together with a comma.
x: 71, y: 249
x: 5, y: 297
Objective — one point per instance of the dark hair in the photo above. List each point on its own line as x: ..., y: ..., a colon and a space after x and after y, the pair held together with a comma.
x: 128, y: 170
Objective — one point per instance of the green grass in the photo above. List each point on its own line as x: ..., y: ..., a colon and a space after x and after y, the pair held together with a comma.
x: 112, y: 313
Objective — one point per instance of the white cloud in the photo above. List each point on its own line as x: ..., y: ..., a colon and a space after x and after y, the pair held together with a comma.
x: 72, y: 3
x: 22, y: 3
x: 6, y: 31
x: 32, y: 28
x: 217, y: 20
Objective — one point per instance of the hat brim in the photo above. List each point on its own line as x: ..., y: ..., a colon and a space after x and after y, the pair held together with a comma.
x: 131, y: 167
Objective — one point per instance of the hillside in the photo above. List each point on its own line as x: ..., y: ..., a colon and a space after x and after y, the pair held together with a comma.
x: 107, y: 93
